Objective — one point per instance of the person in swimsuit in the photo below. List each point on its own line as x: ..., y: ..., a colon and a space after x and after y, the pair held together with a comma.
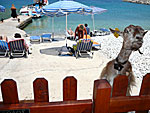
x: 80, y: 31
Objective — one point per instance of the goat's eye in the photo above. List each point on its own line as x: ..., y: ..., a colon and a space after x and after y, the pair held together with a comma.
x: 138, y: 37
x: 126, y: 31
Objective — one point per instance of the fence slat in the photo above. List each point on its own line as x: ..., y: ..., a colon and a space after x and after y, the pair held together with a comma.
x: 145, y: 89
x: 69, y: 89
x: 9, y: 92
x: 41, y: 94
x: 101, y: 98
x: 120, y: 86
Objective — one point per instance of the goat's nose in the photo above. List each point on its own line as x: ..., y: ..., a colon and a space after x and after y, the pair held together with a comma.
x: 139, y: 38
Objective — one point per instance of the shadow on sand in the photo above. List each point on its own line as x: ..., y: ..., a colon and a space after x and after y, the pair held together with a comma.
x: 57, y: 51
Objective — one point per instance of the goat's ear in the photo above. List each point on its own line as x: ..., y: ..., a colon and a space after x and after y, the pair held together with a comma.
x: 145, y: 33
x: 116, y: 32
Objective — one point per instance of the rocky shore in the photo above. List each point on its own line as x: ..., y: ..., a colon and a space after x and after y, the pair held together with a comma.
x: 138, y: 1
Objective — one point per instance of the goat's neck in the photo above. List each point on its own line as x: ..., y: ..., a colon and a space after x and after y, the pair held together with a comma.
x: 124, y: 54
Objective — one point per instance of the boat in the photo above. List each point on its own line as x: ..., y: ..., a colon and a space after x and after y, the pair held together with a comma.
x: 34, y: 9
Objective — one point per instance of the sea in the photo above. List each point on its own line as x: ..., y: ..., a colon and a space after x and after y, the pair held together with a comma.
x: 119, y: 15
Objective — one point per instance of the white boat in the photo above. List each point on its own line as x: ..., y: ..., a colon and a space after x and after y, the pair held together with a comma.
x: 33, y: 9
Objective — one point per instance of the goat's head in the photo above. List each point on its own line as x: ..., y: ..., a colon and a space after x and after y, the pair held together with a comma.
x: 133, y: 37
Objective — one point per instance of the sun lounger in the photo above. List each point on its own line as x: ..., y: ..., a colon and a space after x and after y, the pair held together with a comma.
x: 105, y: 31
x: 17, y: 48
x: 4, y: 48
x: 83, y: 46
x: 46, y: 36
x: 35, y: 39
x: 100, y: 32
x: 95, y: 45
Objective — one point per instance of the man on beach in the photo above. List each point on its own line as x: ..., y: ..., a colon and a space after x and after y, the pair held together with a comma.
x: 80, y: 31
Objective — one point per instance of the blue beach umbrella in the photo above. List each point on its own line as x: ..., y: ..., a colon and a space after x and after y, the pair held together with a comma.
x: 66, y: 7
x: 96, y: 10
x: 2, y: 8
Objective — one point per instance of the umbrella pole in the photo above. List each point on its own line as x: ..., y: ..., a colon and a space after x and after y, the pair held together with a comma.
x: 93, y: 22
x: 66, y: 29
x: 53, y: 27
x: 66, y: 21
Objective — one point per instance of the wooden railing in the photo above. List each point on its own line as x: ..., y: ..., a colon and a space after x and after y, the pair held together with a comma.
x: 102, y: 101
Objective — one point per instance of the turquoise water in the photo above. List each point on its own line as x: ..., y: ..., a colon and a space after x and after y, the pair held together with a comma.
x: 120, y: 14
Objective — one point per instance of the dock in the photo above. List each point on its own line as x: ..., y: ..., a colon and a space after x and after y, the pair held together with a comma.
x: 11, y: 26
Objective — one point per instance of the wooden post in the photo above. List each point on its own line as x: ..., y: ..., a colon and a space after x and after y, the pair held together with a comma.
x: 40, y: 86
x: 120, y: 86
x: 101, y: 96
x: 9, y: 92
x: 69, y: 89
x: 145, y: 89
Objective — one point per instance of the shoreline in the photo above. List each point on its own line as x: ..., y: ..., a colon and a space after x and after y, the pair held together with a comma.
x: 146, y: 2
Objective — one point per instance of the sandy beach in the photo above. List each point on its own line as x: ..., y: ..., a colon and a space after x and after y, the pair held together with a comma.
x: 54, y: 68
x: 45, y: 62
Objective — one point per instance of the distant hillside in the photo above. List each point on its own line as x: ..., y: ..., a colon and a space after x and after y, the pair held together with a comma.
x: 139, y: 1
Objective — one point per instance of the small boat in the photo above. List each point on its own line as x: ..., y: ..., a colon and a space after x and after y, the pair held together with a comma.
x: 33, y: 9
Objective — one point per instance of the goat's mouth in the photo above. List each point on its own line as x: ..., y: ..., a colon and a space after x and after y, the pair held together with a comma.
x: 136, y: 45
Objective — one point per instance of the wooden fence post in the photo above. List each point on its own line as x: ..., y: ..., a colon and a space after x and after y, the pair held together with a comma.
x: 9, y: 92
x: 69, y: 89
x: 40, y: 86
x: 120, y: 86
x: 145, y: 89
x: 101, y: 96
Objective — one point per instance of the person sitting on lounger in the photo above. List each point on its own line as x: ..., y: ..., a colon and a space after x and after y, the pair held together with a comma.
x: 4, y: 38
x: 70, y: 32
x: 18, y: 36
x: 80, y: 31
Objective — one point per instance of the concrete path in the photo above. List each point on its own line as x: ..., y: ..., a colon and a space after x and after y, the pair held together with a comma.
x: 11, y: 26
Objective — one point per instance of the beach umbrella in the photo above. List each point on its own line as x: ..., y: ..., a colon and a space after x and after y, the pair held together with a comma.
x: 66, y: 7
x: 96, y: 10
x: 2, y: 8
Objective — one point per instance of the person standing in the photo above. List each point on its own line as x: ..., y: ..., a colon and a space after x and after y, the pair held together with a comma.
x: 87, y: 29
x: 13, y: 11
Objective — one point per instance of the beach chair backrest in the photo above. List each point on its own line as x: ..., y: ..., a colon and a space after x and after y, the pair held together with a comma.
x: 3, y: 45
x: 46, y: 35
x: 84, y: 45
x: 16, y: 45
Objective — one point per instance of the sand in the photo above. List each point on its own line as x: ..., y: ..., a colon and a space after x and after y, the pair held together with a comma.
x: 43, y: 63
